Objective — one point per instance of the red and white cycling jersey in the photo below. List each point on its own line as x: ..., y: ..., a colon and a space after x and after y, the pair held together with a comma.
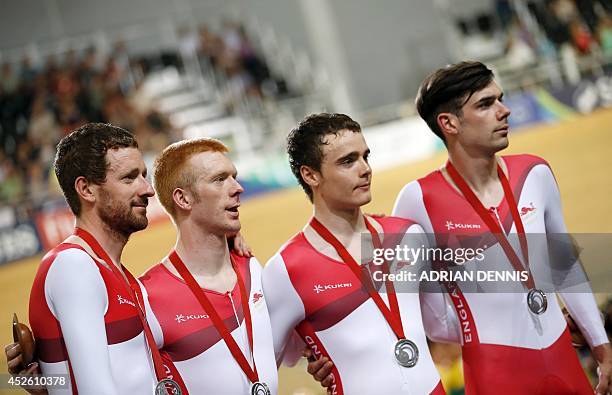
x: 86, y: 325
x: 186, y: 335
x: 322, y: 300
x: 506, y: 348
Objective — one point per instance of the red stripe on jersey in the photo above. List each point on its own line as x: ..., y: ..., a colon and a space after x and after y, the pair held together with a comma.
x: 54, y: 350
x: 329, y: 315
x: 123, y: 330
x: 308, y: 335
x: 187, y: 329
x: 51, y: 350
x: 196, y: 343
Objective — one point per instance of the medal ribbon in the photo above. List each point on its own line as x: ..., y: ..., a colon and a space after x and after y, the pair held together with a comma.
x: 197, y: 291
x: 392, y: 314
x: 133, y: 290
x: 492, y: 224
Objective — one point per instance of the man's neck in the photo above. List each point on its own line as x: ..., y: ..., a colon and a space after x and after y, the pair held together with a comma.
x: 342, y: 223
x: 110, y: 240
x: 203, y: 253
x: 478, y: 170
x: 480, y: 173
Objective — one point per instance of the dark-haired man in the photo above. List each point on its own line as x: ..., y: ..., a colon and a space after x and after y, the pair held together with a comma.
x: 83, y: 312
x: 318, y: 283
x: 513, y: 342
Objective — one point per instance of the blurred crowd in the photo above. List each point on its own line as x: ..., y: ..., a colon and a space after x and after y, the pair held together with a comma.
x: 538, y: 29
x: 233, y: 62
x: 581, y: 27
x: 39, y: 104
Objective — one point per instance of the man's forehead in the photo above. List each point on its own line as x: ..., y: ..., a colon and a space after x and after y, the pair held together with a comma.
x: 492, y: 88
x: 211, y: 161
x: 344, y: 140
x: 123, y: 157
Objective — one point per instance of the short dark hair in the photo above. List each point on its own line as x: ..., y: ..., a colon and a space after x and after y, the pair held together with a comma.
x: 305, y: 141
x: 448, y: 89
x: 83, y: 153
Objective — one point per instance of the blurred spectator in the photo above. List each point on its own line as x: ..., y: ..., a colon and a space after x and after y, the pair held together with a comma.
x: 581, y: 36
x: 604, y: 33
x: 520, y: 48
x: 11, y: 183
x: 9, y: 80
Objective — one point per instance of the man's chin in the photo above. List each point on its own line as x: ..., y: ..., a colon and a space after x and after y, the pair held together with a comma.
x: 139, y: 223
x: 363, y: 200
x: 235, y: 227
x: 502, y: 144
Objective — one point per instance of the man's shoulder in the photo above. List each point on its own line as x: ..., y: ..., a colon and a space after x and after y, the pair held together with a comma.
x: 421, y: 185
x: 66, y: 251
x: 65, y: 257
x: 296, y: 242
x: 293, y: 252
x: 392, y: 224
x: 155, y: 275
x: 524, y: 160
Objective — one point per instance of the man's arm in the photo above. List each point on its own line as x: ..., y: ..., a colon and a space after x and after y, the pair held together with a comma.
x: 76, y: 295
x: 439, y: 317
x: 286, y: 311
x: 285, y: 308
x: 581, y: 305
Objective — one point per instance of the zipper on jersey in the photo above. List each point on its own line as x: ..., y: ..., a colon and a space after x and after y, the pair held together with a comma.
x: 493, y: 210
x: 244, y: 340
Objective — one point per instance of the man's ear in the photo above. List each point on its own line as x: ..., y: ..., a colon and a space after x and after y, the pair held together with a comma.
x: 85, y: 189
x: 448, y: 123
x: 182, y: 198
x: 310, y: 176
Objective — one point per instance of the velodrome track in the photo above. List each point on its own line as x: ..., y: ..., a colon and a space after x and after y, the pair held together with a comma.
x: 579, y: 151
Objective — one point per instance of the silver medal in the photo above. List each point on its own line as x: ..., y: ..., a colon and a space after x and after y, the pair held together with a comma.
x: 406, y: 353
x: 259, y: 388
x: 537, y: 301
x: 168, y: 387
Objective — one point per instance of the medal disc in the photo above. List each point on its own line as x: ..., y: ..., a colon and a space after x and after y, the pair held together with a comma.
x: 406, y: 353
x: 168, y: 387
x: 259, y: 388
x: 537, y: 301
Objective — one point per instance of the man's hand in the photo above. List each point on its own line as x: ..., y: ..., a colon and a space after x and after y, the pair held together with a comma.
x: 578, y: 339
x: 238, y: 244
x: 320, y: 369
x: 603, y: 356
x: 13, y: 361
